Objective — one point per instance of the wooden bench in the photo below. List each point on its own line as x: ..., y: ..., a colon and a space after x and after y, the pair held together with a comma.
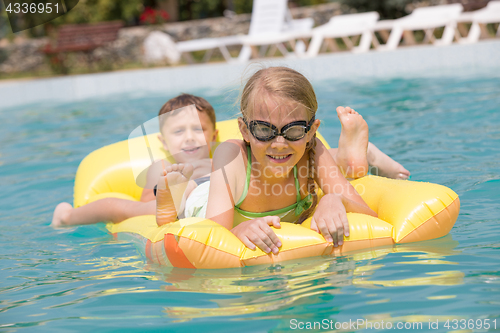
x: 81, y: 38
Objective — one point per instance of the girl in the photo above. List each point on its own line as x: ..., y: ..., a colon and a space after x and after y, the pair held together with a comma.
x: 272, y: 175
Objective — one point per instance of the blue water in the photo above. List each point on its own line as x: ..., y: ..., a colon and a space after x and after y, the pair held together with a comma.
x: 445, y: 131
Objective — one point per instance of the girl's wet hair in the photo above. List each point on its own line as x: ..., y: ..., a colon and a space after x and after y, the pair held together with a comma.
x: 289, y: 86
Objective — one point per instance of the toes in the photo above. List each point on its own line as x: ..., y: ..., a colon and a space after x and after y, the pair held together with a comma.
x: 340, y: 111
x: 188, y: 170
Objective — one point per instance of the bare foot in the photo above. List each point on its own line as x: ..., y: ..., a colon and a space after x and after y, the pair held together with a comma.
x: 353, y: 143
x: 61, y: 215
x: 383, y: 165
x: 170, y: 190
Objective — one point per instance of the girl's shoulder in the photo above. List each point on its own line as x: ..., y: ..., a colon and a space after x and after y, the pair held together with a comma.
x: 228, y: 151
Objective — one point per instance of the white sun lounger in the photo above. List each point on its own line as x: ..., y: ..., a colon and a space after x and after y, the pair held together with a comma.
x: 268, y: 26
x: 424, y: 18
x: 344, y: 26
x: 480, y: 18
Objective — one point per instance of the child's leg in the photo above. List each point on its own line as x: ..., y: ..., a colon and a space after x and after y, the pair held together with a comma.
x: 351, y: 156
x: 380, y: 164
x: 383, y: 165
x: 110, y: 209
x: 170, y: 192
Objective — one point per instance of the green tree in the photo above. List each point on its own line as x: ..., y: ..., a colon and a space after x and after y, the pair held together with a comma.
x: 88, y: 11
x: 388, y: 9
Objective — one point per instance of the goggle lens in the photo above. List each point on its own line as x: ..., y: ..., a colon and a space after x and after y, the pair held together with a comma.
x: 264, y: 131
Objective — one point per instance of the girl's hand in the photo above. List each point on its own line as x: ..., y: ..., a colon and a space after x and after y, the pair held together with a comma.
x: 258, y: 232
x: 330, y: 219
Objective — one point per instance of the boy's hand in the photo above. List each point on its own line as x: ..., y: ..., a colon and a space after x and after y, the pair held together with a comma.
x: 330, y: 219
x: 258, y: 232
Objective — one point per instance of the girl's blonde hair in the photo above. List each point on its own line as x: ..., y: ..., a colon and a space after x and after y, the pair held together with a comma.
x: 289, y: 85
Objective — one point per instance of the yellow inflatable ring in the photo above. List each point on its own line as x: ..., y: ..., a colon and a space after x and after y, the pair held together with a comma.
x: 408, y: 212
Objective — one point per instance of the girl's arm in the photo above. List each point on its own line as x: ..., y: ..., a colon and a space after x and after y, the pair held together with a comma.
x: 221, y: 197
x: 331, y: 181
x: 226, y: 184
x: 340, y: 197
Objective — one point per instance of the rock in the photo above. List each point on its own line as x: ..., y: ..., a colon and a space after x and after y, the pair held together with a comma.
x: 159, y: 46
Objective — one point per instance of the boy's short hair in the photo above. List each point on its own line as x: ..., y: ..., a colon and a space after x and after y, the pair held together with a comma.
x: 185, y: 100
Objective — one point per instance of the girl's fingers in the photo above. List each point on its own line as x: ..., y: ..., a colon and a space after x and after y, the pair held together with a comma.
x: 345, y: 223
x: 262, y: 241
x: 273, y: 220
x: 314, y: 226
x: 248, y: 243
x: 267, y: 235
x: 323, y: 227
x: 271, y: 239
x: 340, y: 230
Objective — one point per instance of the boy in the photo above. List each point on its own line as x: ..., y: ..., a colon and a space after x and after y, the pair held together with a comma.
x: 186, y: 133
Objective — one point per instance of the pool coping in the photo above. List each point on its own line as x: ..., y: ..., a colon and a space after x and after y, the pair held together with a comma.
x: 418, y: 61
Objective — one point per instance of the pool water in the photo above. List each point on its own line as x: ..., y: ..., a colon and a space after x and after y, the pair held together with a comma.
x: 445, y: 131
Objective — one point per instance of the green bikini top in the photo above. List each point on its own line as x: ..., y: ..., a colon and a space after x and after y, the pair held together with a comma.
x: 299, y: 206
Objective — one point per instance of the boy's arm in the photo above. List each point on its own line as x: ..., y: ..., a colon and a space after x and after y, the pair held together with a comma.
x: 147, y: 195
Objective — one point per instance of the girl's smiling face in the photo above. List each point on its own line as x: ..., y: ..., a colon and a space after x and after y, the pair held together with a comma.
x: 277, y: 156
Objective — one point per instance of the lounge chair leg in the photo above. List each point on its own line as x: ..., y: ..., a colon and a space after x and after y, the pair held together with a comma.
x: 225, y: 53
x: 208, y: 55
x: 374, y: 41
x: 365, y: 42
x: 189, y: 58
x: 384, y: 34
x: 484, y: 31
x: 348, y: 43
x: 474, y: 33
x: 283, y: 49
x: 331, y: 44
x: 263, y: 50
x: 394, y: 38
x: 448, y: 34
x: 409, y: 39
x: 429, y: 36
x: 462, y: 29
x: 315, y: 45
x: 255, y: 51
x: 355, y: 39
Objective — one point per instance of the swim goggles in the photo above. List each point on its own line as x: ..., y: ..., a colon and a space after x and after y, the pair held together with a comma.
x: 264, y: 131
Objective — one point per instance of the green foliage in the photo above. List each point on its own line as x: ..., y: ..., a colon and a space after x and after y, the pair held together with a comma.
x: 242, y: 6
x: 388, y: 9
x: 302, y: 3
x: 4, y: 22
x: 88, y: 11
x: 196, y: 9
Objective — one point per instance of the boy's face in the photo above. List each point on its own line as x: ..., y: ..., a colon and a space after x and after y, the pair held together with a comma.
x: 188, y: 135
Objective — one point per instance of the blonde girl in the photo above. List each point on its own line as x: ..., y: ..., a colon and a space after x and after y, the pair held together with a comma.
x: 272, y: 175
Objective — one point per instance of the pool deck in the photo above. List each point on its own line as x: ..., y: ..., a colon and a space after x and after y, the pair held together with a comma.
x: 420, y: 61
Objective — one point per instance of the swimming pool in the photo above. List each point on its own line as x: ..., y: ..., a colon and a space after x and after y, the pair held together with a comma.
x: 444, y: 130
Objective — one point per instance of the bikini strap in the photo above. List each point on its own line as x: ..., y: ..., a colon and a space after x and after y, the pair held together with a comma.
x: 302, y: 204
x: 247, y: 182
x: 297, y: 185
